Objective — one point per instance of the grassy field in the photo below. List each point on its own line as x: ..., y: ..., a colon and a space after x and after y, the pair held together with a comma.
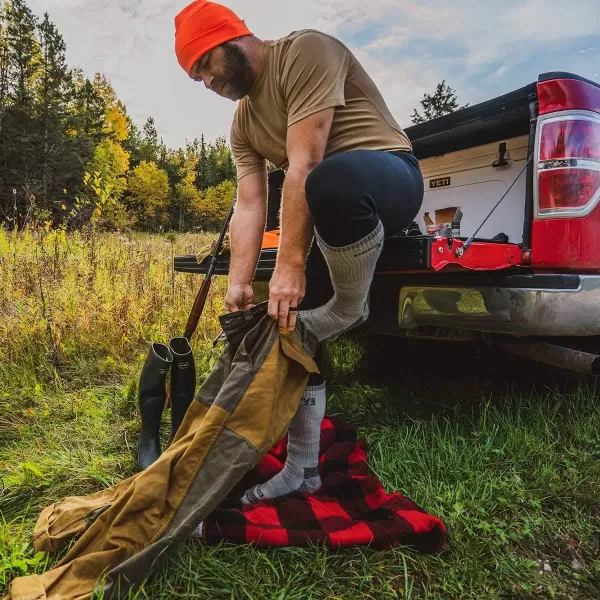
x: 507, y: 456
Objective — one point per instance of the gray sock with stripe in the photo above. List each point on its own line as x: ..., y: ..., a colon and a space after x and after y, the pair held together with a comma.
x: 351, y: 269
x: 301, y: 470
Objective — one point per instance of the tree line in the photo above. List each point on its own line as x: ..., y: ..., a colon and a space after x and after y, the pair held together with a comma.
x: 70, y: 153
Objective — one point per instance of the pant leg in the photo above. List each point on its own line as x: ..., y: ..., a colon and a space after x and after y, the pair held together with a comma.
x: 349, y: 193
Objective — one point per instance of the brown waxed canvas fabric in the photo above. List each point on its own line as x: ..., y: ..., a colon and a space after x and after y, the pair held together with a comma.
x: 304, y: 73
x: 119, y: 534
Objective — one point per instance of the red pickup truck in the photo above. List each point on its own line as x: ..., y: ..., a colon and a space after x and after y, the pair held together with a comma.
x: 507, y: 245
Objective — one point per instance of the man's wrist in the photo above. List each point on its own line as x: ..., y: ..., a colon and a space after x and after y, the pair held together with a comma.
x: 294, y: 261
x: 239, y: 283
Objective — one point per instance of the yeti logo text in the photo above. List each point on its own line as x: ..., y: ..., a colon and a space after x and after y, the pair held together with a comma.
x: 438, y: 183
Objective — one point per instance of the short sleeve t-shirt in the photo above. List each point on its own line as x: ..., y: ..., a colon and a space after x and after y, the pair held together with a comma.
x: 304, y: 73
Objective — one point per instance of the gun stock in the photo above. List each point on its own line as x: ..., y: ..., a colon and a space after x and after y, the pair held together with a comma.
x: 197, y: 308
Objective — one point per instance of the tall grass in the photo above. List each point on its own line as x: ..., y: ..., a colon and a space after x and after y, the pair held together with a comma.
x: 75, y: 308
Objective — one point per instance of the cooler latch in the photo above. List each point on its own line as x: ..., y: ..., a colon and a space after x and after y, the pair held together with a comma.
x: 501, y: 162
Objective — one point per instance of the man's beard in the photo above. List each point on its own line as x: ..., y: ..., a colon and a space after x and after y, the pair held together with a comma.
x: 238, y: 72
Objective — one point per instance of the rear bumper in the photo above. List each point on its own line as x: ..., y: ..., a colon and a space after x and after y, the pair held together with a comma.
x: 510, y: 310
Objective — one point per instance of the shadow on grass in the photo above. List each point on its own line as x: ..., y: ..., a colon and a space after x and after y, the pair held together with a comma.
x: 380, y: 380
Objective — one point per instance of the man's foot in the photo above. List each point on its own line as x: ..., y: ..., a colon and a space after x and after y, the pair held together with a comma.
x: 284, y: 483
x: 301, y: 470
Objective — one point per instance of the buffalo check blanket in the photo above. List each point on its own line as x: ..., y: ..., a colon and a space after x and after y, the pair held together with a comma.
x: 351, y: 508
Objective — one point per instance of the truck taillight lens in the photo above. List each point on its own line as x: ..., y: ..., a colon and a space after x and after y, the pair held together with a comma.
x: 568, y: 165
x: 567, y: 188
x: 570, y: 139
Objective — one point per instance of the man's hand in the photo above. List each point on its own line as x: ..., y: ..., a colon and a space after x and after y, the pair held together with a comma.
x: 239, y: 297
x: 286, y: 290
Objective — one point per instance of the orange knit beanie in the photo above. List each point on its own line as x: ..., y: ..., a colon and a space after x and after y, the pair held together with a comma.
x: 200, y: 27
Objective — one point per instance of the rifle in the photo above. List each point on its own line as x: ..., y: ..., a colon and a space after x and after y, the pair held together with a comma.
x: 202, y: 295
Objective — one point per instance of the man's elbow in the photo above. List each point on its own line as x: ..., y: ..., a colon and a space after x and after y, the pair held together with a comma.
x: 302, y: 168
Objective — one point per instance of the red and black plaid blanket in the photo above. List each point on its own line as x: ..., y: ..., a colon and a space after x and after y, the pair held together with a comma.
x: 351, y: 508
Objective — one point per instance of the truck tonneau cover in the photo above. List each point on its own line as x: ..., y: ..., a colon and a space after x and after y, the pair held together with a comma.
x: 491, y: 121
x: 494, y: 120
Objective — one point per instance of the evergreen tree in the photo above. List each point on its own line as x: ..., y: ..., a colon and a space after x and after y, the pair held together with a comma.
x: 20, y: 140
x: 223, y: 167
x: 23, y: 51
x: 442, y: 102
x: 202, y: 167
x: 87, y: 114
x: 4, y: 67
x: 150, y: 147
x: 54, y: 85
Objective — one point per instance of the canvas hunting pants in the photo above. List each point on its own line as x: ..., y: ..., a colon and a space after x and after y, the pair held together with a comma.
x: 240, y: 412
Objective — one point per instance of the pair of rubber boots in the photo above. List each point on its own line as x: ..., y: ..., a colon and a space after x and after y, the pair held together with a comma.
x: 178, y: 358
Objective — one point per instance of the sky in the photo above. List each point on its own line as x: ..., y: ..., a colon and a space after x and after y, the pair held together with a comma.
x: 482, y: 48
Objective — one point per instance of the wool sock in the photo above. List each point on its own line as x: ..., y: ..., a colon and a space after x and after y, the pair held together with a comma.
x: 301, y: 470
x: 351, y: 269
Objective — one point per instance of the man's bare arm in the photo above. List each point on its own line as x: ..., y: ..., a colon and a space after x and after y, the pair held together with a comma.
x: 306, y: 144
x: 247, y: 228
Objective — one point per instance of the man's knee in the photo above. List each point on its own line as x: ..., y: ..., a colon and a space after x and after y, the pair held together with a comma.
x: 331, y: 187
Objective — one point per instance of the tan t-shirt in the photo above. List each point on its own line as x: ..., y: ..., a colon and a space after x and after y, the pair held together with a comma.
x: 303, y: 73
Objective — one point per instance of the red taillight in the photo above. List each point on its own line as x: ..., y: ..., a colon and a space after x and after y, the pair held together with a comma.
x: 570, y: 139
x: 567, y: 188
x: 569, y: 165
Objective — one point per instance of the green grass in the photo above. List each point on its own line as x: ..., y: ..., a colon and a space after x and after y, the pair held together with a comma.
x: 506, y: 454
x: 515, y: 480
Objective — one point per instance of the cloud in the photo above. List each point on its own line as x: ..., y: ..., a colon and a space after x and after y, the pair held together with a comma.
x: 480, y: 48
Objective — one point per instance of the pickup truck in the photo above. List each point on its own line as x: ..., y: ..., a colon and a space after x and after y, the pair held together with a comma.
x: 507, y: 245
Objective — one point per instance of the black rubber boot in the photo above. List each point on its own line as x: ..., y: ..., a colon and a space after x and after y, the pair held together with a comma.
x: 151, y: 401
x: 183, y: 381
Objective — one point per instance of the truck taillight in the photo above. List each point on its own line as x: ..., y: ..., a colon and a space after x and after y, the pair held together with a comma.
x: 568, y: 165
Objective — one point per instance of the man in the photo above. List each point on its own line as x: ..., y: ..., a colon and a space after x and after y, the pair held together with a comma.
x: 307, y: 106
